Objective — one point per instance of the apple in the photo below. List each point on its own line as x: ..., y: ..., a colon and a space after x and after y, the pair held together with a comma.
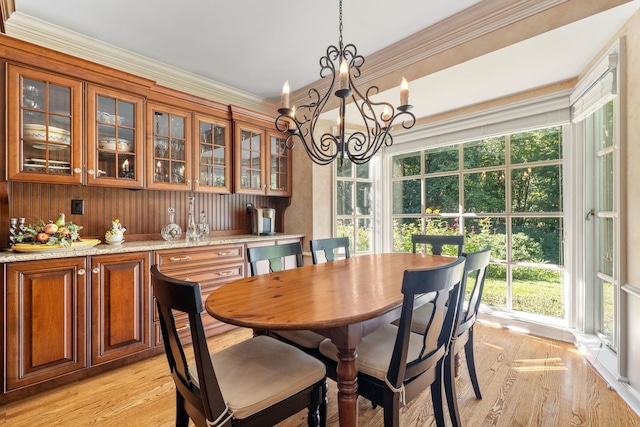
x: 63, y: 230
x: 42, y: 237
x: 50, y: 228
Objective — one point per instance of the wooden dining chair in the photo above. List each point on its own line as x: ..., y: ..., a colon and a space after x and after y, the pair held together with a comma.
x: 395, y: 364
x: 474, y: 276
x: 327, y: 248
x: 437, y: 242
x: 257, y: 382
x: 274, y: 256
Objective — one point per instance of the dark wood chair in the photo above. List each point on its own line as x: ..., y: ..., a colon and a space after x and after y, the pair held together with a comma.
x: 274, y: 256
x: 437, y: 242
x: 327, y: 247
x: 257, y: 382
x: 395, y: 364
x: 474, y: 275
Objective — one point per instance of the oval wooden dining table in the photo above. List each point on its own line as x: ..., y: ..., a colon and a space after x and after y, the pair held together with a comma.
x: 343, y: 300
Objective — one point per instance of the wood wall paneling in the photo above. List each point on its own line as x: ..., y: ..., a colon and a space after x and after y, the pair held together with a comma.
x: 143, y: 212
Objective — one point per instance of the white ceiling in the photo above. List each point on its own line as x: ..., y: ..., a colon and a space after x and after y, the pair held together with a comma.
x: 255, y: 45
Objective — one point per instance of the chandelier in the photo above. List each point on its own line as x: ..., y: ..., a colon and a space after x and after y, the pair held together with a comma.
x: 374, y: 123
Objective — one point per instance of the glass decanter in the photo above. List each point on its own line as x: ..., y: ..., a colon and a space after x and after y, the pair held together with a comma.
x: 193, y: 233
x: 171, y: 231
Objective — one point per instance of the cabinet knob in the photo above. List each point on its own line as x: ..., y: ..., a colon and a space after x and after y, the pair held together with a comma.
x: 90, y: 171
x: 77, y: 170
x: 96, y: 270
x: 186, y: 279
x: 81, y: 272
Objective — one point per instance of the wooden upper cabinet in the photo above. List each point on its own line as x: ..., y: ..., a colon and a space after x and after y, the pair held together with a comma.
x: 212, y: 156
x: 262, y: 163
x: 44, y: 126
x: 169, y: 147
x: 115, y: 143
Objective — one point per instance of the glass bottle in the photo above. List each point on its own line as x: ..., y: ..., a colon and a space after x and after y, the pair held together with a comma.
x: 171, y: 231
x: 193, y: 233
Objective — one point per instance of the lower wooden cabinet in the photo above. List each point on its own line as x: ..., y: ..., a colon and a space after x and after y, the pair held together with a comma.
x: 211, y: 266
x: 45, y: 320
x: 120, y: 306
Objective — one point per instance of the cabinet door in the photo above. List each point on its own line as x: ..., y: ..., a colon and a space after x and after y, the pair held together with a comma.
x: 212, y: 159
x: 44, y: 126
x: 46, y: 320
x: 120, y: 302
x: 168, y: 148
x: 114, y: 138
x: 279, y: 165
x: 249, y: 159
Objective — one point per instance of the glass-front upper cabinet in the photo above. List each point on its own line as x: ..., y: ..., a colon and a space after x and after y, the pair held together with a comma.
x: 114, y: 138
x: 249, y: 159
x: 168, y: 147
x: 213, y: 155
x: 279, y: 163
x: 44, y: 125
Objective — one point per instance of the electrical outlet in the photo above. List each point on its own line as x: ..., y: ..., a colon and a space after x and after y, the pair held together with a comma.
x: 249, y: 207
x: 77, y: 207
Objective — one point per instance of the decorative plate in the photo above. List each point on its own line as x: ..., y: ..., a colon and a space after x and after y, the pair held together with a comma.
x: 29, y: 247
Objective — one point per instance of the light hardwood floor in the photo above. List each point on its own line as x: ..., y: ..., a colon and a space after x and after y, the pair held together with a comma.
x: 525, y: 381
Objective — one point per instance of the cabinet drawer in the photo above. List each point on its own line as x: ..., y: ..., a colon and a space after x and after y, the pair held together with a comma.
x: 170, y: 260
x: 215, y: 275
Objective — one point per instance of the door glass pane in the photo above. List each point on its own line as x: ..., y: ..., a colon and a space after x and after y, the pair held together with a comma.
x: 406, y: 197
x: 405, y: 165
x: 538, y: 291
x: 403, y: 228
x: 484, y: 192
x: 607, y: 308
x: 536, y: 189
x: 442, y: 194
x: 607, y: 181
x: 441, y: 159
x: 605, y: 246
x: 484, y: 153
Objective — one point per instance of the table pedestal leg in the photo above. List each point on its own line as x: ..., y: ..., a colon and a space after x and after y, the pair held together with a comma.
x: 347, y: 387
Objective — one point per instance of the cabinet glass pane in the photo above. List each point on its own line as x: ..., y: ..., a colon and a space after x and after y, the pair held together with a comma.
x: 115, y: 121
x: 279, y: 161
x: 250, y: 159
x: 169, y: 147
x: 46, y: 128
x: 213, y: 151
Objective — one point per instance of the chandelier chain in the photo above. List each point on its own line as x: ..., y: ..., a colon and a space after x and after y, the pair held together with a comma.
x: 340, y: 44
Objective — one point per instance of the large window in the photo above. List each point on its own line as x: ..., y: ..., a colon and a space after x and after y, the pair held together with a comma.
x: 504, y: 192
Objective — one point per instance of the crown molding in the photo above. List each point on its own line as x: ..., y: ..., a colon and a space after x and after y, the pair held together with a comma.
x: 42, y: 33
x: 7, y: 7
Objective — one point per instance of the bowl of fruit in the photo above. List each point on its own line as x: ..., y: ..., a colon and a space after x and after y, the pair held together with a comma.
x: 54, y: 235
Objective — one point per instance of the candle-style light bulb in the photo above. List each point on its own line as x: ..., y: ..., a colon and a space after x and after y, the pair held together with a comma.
x: 343, y: 82
x: 284, y: 96
x: 386, y: 114
x: 125, y: 165
x: 404, y: 92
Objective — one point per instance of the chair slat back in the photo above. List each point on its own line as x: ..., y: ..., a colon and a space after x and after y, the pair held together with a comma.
x: 328, y: 246
x: 436, y: 242
x: 445, y: 283
x: 274, y: 255
x: 475, y: 273
x: 177, y: 295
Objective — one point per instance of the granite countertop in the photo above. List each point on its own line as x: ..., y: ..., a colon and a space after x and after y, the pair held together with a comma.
x: 139, y: 246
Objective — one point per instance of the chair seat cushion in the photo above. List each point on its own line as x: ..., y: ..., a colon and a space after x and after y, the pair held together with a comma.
x: 375, y: 350
x: 259, y: 372
x: 306, y: 339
